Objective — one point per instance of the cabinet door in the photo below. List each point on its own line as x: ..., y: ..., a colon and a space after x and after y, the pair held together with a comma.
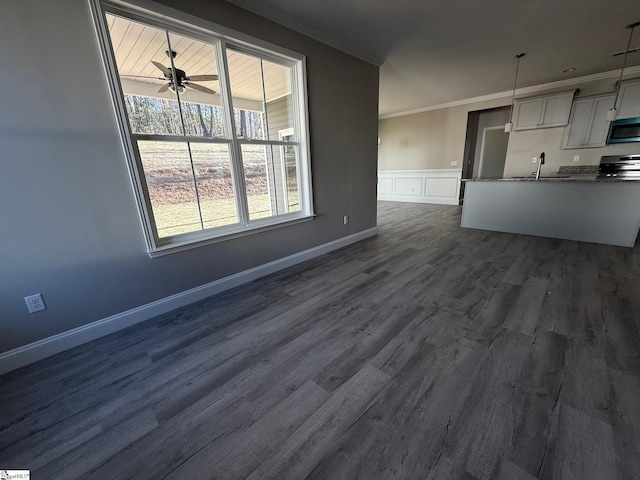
x: 556, y: 110
x: 597, y: 136
x: 588, y: 124
x: 579, y: 123
x: 527, y: 113
x: 629, y: 101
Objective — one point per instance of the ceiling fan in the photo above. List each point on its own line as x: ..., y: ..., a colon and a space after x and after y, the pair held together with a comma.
x: 182, y: 80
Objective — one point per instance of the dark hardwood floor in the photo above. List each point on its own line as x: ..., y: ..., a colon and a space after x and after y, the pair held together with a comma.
x: 427, y: 352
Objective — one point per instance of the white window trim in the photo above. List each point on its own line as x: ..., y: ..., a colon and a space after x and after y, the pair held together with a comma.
x: 152, y: 13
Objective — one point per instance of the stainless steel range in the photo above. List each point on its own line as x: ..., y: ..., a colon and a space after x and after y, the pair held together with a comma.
x: 620, y: 166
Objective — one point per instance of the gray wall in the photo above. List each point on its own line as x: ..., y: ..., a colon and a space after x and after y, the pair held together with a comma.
x: 70, y: 226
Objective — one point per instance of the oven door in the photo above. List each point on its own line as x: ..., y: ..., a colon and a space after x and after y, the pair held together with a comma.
x: 624, y: 131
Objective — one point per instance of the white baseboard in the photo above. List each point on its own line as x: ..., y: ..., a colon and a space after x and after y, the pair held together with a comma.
x: 440, y: 186
x: 419, y: 199
x: 49, y: 346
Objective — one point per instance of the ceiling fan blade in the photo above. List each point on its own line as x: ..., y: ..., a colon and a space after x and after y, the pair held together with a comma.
x: 163, y: 88
x: 202, y: 78
x: 200, y: 88
x: 163, y: 69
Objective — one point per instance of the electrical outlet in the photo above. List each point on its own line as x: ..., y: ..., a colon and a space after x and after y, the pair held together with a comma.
x: 345, y: 219
x: 35, y: 303
x: 576, y: 158
x: 454, y: 163
x: 535, y: 160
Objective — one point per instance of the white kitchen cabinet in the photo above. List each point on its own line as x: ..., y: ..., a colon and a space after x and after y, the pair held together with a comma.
x: 629, y: 100
x: 588, y: 125
x: 542, y: 112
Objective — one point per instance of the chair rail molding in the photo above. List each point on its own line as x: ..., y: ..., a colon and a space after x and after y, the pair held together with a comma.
x: 440, y: 186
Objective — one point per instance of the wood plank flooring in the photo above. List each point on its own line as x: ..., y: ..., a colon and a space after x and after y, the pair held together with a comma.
x: 428, y: 352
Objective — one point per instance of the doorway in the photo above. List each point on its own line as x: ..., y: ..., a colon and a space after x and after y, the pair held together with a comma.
x: 493, y: 152
x: 485, y: 131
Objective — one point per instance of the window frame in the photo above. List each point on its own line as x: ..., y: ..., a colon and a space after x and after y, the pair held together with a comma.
x: 219, y: 37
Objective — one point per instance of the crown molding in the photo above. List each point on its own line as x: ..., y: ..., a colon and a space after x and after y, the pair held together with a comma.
x: 569, y: 82
x: 260, y: 8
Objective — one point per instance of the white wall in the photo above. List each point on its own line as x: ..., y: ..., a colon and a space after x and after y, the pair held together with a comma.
x: 427, y: 140
x: 524, y: 145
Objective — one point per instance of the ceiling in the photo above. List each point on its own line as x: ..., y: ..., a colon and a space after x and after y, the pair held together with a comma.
x: 440, y: 51
x: 136, y: 46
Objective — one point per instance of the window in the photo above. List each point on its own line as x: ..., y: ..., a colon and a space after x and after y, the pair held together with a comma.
x: 215, y: 129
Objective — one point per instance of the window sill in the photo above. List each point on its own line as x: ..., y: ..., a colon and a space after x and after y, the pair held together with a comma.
x: 188, y: 244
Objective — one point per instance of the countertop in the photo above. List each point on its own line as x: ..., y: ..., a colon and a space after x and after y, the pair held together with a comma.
x: 555, y: 179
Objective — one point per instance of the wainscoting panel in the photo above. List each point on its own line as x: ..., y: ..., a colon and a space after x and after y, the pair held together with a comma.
x: 408, y: 186
x: 420, y: 186
x: 385, y: 186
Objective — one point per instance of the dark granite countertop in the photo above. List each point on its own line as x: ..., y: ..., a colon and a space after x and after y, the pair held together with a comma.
x: 556, y: 179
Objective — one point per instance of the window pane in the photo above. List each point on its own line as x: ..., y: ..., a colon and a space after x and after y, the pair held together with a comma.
x: 245, y: 77
x: 169, y: 177
x: 152, y: 108
x: 256, y: 179
x: 271, y: 177
x: 151, y: 89
x: 279, y: 101
x: 198, y: 88
x: 290, y: 174
x: 261, y: 93
x: 212, y: 164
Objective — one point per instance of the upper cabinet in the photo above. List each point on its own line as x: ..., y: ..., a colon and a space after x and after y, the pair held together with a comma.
x: 629, y: 100
x: 588, y: 125
x: 542, y: 112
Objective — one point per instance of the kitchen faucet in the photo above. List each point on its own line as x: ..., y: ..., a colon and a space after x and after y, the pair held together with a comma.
x: 540, y: 163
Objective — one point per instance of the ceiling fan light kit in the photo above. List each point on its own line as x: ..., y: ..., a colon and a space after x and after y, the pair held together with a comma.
x: 613, y: 112
x: 180, y: 88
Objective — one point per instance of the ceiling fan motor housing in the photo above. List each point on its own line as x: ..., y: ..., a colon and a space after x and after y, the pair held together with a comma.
x: 178, y: 85
x: 180, y: 75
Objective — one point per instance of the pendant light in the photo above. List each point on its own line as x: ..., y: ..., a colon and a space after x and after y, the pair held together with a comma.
x: 611, y: 114
x: 509, y: 125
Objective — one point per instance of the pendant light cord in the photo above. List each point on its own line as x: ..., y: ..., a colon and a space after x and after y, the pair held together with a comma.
x: 515, y: 83
x: 624, y: 61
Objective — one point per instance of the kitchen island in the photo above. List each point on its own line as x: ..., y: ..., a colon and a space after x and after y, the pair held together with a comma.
x: 588, y: 210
